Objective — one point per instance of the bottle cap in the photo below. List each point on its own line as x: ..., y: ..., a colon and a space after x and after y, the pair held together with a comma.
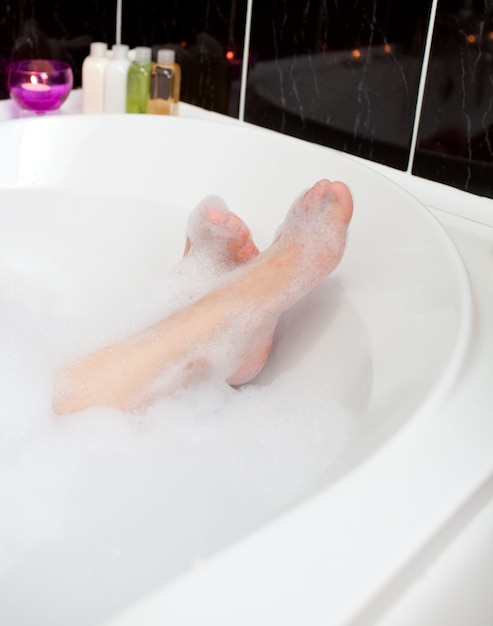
x: 120, y: 51
x: 166, y: 56
x: 143, y: 55
x: 98, y: 49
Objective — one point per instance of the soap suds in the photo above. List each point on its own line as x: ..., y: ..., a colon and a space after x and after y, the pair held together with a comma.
x: 115, y: 504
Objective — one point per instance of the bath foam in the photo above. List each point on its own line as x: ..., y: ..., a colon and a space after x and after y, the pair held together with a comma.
x: 100, y: 500
x: 25, y: 361
x: 75, y: 336
x: 116, y: 493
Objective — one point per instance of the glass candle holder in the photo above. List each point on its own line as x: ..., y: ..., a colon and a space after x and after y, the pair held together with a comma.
x: 39, y: 86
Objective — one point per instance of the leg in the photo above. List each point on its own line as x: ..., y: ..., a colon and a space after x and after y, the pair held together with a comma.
x: 228, y: 331
x: 217, y: 241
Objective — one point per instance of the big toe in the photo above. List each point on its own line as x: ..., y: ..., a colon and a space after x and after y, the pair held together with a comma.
x: 325, y: 196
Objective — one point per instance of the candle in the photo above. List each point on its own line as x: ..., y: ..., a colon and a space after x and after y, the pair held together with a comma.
x: 39, y: 85
x: 34, y: 86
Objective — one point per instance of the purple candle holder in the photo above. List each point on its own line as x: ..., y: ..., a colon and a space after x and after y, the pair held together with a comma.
x: 38, y: 85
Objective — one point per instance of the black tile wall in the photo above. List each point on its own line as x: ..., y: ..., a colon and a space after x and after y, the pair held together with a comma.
x: 339, y: 73
x: 455, y: 141
x: 343, y: 74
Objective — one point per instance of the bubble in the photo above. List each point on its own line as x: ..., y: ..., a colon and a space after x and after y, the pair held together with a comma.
x: 107, y: 505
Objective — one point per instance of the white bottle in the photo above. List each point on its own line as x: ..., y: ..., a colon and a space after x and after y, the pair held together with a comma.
x: 115, y: 84
x: 93, y: 73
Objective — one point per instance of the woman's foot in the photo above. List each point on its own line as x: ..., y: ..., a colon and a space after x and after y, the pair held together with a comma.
x: 217, y: 237
x: 217, y: 241
x: 308, y: 247
x: 315, y: 230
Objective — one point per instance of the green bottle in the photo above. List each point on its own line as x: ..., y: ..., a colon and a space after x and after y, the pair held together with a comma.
x: 139, y: 81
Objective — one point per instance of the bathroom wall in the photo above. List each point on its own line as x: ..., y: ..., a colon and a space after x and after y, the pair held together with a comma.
x: 455, y: 141
x: 362, y: 76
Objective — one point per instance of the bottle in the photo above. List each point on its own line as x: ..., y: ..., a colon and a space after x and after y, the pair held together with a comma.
x: 139, y: 81
x: 115, y: 83
x: 165, y: 84
x: 93, y: 72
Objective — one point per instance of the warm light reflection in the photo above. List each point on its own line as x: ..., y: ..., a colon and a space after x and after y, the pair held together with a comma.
x: 230, y: 55
x: 490, y: 35
x: 387, y: 48
x: 471, y: 38
x: 356, y: 54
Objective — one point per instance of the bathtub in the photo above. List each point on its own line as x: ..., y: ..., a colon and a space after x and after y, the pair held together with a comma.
x: 92, y: 207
